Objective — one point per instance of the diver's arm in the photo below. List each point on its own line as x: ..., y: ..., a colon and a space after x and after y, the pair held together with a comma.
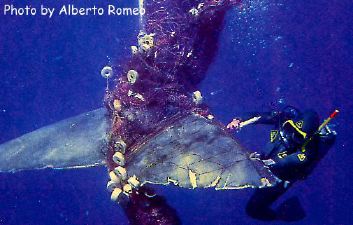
x: 257, y: 118
x: 273, y: 117
x: 265, y: 117
x: 290, y: 161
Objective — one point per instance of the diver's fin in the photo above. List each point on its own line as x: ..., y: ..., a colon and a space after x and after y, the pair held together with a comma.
x: 195, y: 152
x: 72, y: 143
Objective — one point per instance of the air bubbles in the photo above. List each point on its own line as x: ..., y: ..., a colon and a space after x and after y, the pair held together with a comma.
x: 279, y: 37
x: 281, y: 101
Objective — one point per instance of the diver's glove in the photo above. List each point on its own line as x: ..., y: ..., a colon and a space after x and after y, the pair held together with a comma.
x: 328, y: 134
x: 235, y: 124
x: 328, y: 130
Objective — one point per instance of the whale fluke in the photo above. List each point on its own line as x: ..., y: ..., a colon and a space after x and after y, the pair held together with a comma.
x: 71, y: 143
x: 194, y: 152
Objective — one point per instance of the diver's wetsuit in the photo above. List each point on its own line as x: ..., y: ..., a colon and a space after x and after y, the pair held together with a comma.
x: 291, y: 161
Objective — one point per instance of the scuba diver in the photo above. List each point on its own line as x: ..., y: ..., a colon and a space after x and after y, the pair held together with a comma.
x: 297, y: 143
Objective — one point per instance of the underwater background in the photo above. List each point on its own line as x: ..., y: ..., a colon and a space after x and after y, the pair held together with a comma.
x: 272, y: 53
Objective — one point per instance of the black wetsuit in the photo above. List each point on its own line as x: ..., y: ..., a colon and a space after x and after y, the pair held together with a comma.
x: 292, y: 161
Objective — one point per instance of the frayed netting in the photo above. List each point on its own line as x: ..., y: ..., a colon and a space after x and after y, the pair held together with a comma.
x: 177, y: 43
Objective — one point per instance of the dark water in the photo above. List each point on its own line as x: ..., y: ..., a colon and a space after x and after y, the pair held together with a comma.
x: 277, y: 53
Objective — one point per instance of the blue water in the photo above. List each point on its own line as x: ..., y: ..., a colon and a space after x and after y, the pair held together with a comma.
x: 277, y: 53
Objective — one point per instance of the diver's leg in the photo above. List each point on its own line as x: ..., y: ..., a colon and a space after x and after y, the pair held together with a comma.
x: 259, y: 204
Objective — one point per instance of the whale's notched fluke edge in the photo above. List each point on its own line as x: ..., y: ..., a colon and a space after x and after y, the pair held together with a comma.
x: 75, y: 142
